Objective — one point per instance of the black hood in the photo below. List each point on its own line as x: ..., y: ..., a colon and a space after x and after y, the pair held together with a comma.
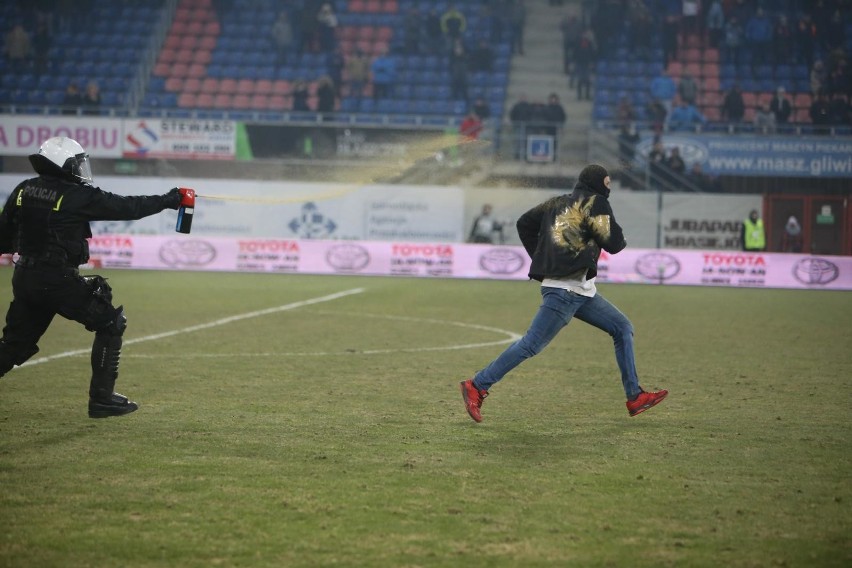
x: 592, y: 177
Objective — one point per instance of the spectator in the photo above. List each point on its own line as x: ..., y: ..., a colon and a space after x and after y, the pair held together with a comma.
x: 300, y: 96
x: 806, y: 34
x: 780, y: 106
x: 485, y: 226
x: 792, y: 239
x: 839, y: 111
x: 282, y: 38
x: 733, y: 106
x: 520, y: 115
x: 820, y: 112
x: 836, y: 31
x: 327, y: 26
x: 412, y: 26
x: 73, y: 98
x: 688, y: 89
x: 669, y: 38
x: 358, y: 73
x: 41, y: 45
x: 690, y: 25
x: 384, y: 74
x: 326, y: 95
x: 685, y: 117
x: 663, y: 89
x: 453, y: 24
x: 482, y: 58
x: 517, y: 21
x: 657, y: 115
x: 700, y: 180
x: 433, y: 34
x: 782, y: 40
x: 91, y: 101
x: 758, y: 36
x: 458, y: 72
x: 571, y: 30
x: 554, y: 115
x: 471, y: 126
x: 675, y: 168
x: 624, y: 112
x: 733, y: 41
x: 715, y: 24
x: 309, y: 28
x: 481, y: 108
x: 335, y: 62
x: 641, y: 34
x: 657, y: 165
x: 628, y: 138
x: 818, y: 78
x: 18, y: 47
x: 584, y: 59
x: 764, y: 119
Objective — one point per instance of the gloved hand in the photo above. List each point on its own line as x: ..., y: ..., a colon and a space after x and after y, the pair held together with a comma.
x: 173, y: 198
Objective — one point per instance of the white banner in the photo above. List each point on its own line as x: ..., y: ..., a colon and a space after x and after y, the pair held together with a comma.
x: 644, y: 266
x: 179, y: 138
x: 21, y: 135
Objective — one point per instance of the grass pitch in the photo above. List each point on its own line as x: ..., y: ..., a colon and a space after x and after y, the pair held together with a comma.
x: 334, y: 433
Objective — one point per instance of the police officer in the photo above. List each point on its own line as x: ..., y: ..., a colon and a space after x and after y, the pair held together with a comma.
x: 46, y: 220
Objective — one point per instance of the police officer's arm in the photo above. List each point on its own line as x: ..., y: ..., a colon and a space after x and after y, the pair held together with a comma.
x: 105, y: 206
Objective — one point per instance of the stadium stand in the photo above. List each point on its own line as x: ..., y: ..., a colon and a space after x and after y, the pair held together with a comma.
x: 218, y: 56
x: 627, y: 72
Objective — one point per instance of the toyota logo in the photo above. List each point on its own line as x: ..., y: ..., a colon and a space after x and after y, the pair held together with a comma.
x: 347, y: 257
x: 187, y: 253
x: 815, y: 271
x: 658, y: 266
x: 501, y: 261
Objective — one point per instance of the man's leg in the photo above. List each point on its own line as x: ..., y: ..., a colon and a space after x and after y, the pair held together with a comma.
x: 24, y: 327
x: 603, y: 315
x: 556, y: 310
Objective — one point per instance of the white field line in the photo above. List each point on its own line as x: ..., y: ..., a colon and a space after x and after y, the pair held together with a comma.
x: 510, y: 337
x: 208, y: 325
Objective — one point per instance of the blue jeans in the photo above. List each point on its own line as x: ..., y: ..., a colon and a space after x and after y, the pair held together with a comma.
x: 557, y: 308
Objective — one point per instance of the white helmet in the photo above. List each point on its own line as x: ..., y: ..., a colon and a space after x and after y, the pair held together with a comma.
x: 63, y: 156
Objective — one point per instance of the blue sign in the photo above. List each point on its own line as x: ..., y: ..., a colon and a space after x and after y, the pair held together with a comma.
x: 539, y: 148
x: 764, y: 156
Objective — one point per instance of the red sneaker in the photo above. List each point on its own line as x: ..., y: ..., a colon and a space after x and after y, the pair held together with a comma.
x: 645, y: 400
x: 473, y: 398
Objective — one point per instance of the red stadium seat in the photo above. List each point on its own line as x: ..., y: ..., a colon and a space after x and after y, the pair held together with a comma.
x: 259, y: 102
x: 279, y: 102
x: 197, y: 70
x: 263, y: 87
x: 241, y: 102
x: 210, y: 85
x: 186, y: 100
x: 223, y: 101
x: 228, y: 86
x: 203, y: 100
x: 281, y: 87
x: 245, y: 86
x: 174, y: 84
x: 192, y: 85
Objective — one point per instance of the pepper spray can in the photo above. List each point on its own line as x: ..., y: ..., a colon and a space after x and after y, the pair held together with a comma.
x: 185, y: 210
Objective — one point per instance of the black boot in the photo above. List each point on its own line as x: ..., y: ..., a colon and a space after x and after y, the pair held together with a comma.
x: 103, y: 401
x: 113, y: 404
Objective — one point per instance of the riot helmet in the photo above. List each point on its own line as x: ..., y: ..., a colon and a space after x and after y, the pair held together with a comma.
x: 62, y: 157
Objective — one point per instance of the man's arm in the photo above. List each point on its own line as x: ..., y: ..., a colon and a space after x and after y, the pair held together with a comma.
x: 105, y: 206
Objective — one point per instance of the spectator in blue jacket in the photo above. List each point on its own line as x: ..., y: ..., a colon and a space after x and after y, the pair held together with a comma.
x: 663, y: 89
x: 384, y: 74
x: 758, y: 36
x: 685, y: 117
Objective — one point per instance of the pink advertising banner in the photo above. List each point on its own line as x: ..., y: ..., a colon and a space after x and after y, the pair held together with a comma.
x: 644, y: 266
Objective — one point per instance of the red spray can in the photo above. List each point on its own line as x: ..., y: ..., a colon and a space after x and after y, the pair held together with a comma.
x: 185, y: 210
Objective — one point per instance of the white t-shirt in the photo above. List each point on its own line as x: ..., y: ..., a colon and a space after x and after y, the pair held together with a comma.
x: 574, y: 284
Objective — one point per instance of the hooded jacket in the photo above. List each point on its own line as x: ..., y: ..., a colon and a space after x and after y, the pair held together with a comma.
x: 564, y: 236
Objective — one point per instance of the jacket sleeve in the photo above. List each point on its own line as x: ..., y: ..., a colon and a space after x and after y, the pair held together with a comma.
x: 104, y: 206
x: 7, y: 224
x: 529, y: 225
x: 605, y: 229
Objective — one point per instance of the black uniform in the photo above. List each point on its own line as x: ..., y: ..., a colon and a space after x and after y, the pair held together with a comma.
x: 46, y: 220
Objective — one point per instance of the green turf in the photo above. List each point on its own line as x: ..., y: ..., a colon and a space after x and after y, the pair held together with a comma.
x: 334, y: 434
